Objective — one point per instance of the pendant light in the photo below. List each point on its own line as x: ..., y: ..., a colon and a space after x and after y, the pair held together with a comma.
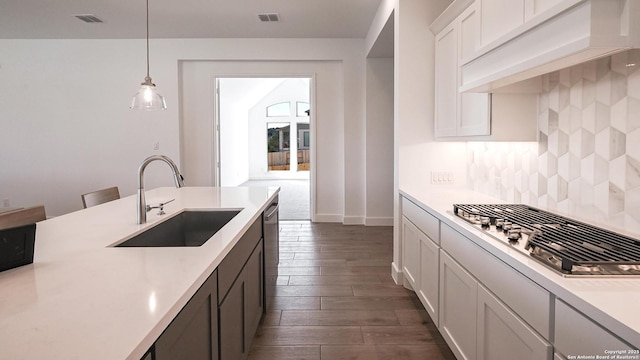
x: 147, y: 98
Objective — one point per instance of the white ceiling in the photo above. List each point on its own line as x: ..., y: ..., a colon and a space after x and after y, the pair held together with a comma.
x: 123, y: 19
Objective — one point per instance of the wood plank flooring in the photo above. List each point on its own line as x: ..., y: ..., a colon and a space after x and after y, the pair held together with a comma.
x: 335, y: 300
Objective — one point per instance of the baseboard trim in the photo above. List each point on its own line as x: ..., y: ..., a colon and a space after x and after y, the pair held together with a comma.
x: 327, y: 218
x: 378, y: 221
x: 396, y: 274
x: 353, y: 220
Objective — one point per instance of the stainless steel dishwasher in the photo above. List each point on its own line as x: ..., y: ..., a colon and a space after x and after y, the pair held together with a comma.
x: 271, y: 230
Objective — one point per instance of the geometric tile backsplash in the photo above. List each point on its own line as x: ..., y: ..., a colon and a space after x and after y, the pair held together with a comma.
x: 587, y: 158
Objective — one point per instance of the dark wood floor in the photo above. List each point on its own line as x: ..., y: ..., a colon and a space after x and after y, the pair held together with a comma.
x: 335, y: 299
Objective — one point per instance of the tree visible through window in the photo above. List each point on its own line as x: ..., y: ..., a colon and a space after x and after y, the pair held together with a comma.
x: 278, y: 138
x: 288, y: 139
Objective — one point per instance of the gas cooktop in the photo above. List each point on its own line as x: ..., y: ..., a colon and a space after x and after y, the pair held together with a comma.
x: 570, y: 247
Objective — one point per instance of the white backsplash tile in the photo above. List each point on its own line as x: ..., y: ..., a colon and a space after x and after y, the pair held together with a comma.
x: 586, y: 161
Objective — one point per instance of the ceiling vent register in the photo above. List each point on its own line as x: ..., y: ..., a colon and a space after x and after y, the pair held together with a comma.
x: 270, y: 17
x: 89, y: 18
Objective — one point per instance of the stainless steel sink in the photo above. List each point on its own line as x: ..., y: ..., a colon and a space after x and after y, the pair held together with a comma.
x: 189, y: 228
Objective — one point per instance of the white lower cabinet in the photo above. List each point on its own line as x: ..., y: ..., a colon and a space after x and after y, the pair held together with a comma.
x: 458, y: 308
x: 429, y: 276
x: 410, y: 253
x: 576, y: 334
x: 502, y: 335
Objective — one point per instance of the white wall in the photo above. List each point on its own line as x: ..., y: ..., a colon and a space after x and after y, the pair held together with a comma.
x: 379, y: 153
x: 67, y: 129
x: 417, y: 153
x: 291, y: 91
x: 329, y: 159
x: 237, y: 96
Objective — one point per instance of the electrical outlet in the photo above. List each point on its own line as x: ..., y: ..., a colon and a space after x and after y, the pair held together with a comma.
x: 442, y: 177
x: 496, y: 183
x: 6, y: 203
x: 156, y: 145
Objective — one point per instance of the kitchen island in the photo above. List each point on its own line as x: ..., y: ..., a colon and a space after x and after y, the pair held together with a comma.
x: 566, y: 316
x: 83, y: 298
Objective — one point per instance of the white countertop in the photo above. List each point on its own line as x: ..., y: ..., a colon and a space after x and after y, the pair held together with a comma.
x: 82, y: 299
x: 612, y: 302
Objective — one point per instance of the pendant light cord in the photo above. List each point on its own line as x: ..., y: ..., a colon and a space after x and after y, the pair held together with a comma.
x: 148, y: 39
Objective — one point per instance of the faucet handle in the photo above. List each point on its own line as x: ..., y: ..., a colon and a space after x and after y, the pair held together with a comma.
x: 161, y: 207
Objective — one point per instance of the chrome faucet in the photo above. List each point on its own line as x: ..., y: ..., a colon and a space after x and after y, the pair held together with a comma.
x: 142, y: 203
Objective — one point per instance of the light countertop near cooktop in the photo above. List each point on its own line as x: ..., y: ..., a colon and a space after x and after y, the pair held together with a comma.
x: 612, y: 302
x: 83, y: 299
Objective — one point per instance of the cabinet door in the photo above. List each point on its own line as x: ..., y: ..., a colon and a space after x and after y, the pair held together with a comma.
x: 446, y: 82
x: 498, y: 17
x: 411, y: 253
x: 241, y: 310
x: 429, y: 276
x: 253, y: 294
x: 193, y: 334
x: 232, y: 344
x: 535, y: 7
x: 458, y: 301
x: 502, y: 335
x: 474, y: 109
x: 576, y: 334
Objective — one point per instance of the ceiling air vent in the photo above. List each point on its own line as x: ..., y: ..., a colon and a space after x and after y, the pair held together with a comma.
x: 89, y: 18
x: 270, y: 17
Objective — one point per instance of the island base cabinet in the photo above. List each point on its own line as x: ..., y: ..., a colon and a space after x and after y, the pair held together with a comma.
x: 193, y: 334
x: 502, y: 335
x: 253, y: 293
x: 458, y: 299
x: 242, y: 308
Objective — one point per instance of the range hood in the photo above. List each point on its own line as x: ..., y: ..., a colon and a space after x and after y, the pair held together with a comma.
x: 570, y: 33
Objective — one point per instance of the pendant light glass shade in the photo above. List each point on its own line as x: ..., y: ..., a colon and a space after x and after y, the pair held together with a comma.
x: 147, y: 98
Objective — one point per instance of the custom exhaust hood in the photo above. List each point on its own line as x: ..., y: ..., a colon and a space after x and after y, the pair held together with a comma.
x: 569, y: 33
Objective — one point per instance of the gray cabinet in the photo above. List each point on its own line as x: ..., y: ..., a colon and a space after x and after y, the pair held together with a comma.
x: 221, y: 319
x: 241, y: 309
x: 193, y: 334
x: 241, y: 294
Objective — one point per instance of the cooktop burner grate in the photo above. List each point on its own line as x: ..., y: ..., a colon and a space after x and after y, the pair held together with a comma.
x: 569, y: 245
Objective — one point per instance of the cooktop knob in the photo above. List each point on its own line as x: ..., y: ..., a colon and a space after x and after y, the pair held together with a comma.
x: 514, y: 235
x: 506, y: 226
x: 485, y: 221
x: 499, y: 223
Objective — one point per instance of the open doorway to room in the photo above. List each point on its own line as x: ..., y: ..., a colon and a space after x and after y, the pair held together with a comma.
x: 264, y: 137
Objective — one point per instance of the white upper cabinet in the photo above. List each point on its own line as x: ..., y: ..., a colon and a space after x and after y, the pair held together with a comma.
x: 446, y: 106
x: 521, y: 39
x: 535, y: 7
x: 458, y: 114
x: 499, y: 17
x: 467, y: 115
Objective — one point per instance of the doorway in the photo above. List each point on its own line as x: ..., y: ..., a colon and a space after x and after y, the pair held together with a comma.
x: 263, y: 135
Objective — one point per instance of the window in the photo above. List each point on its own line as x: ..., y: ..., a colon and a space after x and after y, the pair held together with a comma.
x: 303, y: 136
x: 279, y: 109
x: 302, y: 109
x: 278, y: 137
